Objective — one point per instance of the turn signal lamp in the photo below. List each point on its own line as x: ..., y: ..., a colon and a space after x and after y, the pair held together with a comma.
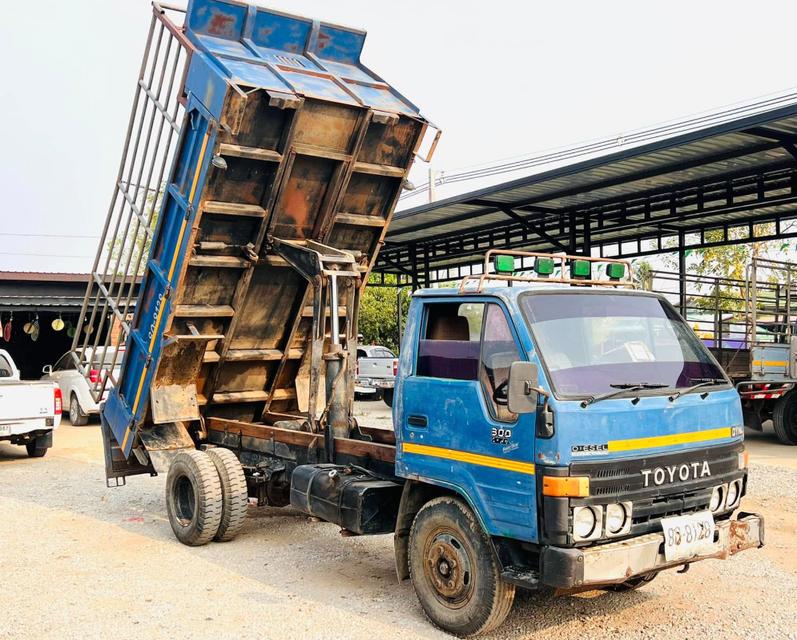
x: 615, y: 270
x: 543, y: 266
x: 580, y: 269
x: 504, y: 264
x: 565, y: 487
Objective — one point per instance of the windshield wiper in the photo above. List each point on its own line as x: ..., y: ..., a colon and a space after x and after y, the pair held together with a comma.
x: 703, y: 396
x: 622, y: 387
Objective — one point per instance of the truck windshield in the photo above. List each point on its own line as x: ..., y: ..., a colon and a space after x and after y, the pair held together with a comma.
x: 594, y: 343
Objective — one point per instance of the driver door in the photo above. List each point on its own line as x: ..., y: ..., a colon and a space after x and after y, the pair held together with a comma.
x: 455, y: 426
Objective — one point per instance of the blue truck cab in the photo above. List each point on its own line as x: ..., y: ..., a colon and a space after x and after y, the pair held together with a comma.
x: 589, y: 431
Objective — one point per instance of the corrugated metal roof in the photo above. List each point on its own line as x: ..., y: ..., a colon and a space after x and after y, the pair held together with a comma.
x: 759, y: 143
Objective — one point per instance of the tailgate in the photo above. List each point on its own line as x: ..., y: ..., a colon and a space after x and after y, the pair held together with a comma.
x: 376, y: 367
x: 26, y: 400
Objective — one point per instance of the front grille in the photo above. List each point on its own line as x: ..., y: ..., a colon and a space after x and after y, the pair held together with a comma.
x: 626, y: 479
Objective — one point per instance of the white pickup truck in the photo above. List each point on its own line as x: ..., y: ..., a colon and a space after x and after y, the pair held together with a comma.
x: 29, y: 411
x: 376, y: 372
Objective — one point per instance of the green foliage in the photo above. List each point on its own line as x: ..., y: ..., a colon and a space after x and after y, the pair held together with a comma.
x: 132, y: 249
x: 378, y: 312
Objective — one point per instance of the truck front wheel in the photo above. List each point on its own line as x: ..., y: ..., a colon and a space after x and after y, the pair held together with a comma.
x: 784, y: 418
x: 193, y: 498
x: 454, y: 571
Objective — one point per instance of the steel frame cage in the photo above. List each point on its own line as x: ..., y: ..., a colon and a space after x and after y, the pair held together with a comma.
x: 153, y: 134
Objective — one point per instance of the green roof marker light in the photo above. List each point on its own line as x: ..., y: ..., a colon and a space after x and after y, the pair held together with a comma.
x: 504, y: 264
x: 543, y: 266
x: 615, y: 270
x: 580, y: 269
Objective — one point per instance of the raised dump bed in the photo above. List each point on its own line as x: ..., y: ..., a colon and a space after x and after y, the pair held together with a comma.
x: 289, y: 162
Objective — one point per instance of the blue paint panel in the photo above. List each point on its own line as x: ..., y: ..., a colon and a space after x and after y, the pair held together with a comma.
x: 379, y: 98
x: 205, y: 83
x: 255, y: 75
x: 339, y: 45
x: 274, y: 31
x: 217, y: 18
x: 224, y: 47
x: 318, y: 87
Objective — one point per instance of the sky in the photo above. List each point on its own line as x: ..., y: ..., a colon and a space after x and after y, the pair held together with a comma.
x: 502, y: 79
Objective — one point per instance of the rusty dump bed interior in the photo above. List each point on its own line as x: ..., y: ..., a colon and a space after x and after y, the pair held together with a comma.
x: 290, y: 159
x: 320, y: 171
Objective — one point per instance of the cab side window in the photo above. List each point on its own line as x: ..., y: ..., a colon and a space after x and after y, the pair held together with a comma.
x: 498, y: 352
x: 450, y: 341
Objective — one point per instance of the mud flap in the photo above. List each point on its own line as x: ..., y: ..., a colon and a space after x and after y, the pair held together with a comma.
x: 173, y: 390
x: 117, y: 468
x: 163, y: 441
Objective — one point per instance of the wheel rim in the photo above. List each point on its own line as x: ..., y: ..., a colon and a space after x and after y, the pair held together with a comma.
x: 184, y: 500
x: 73, y: 411
x: 447, y: 567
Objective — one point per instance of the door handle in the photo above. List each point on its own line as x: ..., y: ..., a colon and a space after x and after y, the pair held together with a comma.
x: 418, y: 421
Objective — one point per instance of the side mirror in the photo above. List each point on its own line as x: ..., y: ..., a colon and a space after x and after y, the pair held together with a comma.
x: 523, y: 388
x: 47, y: 369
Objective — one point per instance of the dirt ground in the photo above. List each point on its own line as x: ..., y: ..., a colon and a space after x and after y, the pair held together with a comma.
x: 83, y: 561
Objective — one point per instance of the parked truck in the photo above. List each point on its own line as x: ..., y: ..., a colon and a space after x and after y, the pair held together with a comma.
x: 568, y: 431
x: 750, y: 326
x: 29, y: 410
x: 376, y: 372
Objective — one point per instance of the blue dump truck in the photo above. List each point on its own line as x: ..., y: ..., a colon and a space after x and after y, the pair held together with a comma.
x: 553, y: 426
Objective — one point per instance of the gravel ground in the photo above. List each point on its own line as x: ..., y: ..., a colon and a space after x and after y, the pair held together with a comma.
x: 83, y: 561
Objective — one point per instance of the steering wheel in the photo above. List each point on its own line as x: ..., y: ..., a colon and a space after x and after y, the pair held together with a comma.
x: 501, y: 394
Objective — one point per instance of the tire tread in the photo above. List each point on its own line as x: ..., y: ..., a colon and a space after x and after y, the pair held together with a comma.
x: 235, y: 495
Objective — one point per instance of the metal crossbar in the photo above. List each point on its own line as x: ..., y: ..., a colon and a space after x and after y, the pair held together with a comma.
x: 152, y: 136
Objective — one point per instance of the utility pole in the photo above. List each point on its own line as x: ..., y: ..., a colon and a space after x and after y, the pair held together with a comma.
x: 432, y: 176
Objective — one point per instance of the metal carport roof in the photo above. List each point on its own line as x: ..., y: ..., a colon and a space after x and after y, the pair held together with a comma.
x: 733, y: 173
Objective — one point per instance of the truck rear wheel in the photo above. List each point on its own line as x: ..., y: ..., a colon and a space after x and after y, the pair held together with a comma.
x: 235, y: 496
x: 193, y: 498
x: 454, y: 571
x: 784, y: 418
x: 387, y: 396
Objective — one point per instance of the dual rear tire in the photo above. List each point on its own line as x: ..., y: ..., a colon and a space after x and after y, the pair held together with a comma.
x: 206, y: 496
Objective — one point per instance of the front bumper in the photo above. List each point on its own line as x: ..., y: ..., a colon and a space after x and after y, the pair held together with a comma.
x: 616, y: 562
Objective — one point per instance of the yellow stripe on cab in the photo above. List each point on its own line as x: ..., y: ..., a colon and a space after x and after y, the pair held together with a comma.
x: 675, y: 438
x: 468, y: 457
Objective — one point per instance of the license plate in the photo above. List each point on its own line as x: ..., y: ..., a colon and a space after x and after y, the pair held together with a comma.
x: 688, y: 536
x: 5, y: 429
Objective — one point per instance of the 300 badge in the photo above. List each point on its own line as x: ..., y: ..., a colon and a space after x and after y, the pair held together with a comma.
x: 501, y: 435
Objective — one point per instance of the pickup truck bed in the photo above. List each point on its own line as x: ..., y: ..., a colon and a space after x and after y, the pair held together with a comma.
x: 29, y: 411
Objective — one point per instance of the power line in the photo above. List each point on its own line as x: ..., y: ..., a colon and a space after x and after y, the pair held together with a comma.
x: 47, y: 235
x: 42, y: 255
x: 633, y: 138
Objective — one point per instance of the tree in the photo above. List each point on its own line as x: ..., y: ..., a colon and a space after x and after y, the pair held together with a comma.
x: 729, y: 261
x: 378, y: 312
x: 132, y: 249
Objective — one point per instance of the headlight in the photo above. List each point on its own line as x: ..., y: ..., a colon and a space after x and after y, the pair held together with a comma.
x: 734, y: 493
x: 618, y: 518
x: 587, y: 523
x: 717, y: 498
